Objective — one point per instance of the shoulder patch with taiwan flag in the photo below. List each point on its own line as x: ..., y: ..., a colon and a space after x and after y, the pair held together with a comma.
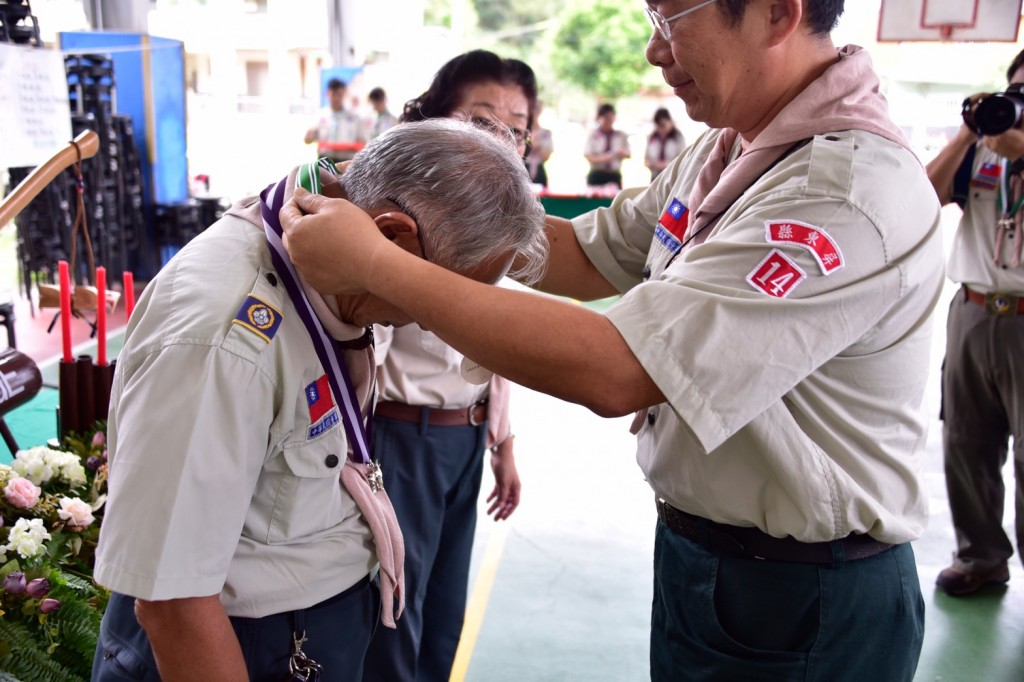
x: 322, y: 414
x: 672, y: 224
x: 777, y: 275
x: 259, y: 317
x: 814, y: 239
x: 987, y: 176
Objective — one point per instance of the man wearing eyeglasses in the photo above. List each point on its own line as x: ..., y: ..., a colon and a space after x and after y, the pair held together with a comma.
x: 778, y: 281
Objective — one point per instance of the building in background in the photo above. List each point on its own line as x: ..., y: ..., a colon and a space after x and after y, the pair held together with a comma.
x: 253, y: 76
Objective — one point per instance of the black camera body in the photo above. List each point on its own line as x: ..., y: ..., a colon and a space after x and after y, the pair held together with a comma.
x: 995, y: 114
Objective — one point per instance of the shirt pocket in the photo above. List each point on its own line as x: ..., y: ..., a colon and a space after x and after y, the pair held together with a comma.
x: 432, y: 344
x: 299, y: 495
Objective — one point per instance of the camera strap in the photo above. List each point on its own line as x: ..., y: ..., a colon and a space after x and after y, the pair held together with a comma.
x: 1011, y: 197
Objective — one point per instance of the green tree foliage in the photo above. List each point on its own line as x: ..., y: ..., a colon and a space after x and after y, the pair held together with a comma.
x: 500, y: 15
x: 600, y: 48
x: 437, y: 13
x: 514, y: 22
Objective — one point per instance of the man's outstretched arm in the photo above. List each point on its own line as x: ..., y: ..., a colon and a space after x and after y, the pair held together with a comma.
x: 569, y: 272
x: 552, y: 346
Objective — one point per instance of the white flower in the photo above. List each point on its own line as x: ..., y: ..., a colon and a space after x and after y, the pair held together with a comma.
x: 76, y: 512
x: 26, y: 538
x: 73, y: 472
x: 33, y: 464
x: 40, y: 464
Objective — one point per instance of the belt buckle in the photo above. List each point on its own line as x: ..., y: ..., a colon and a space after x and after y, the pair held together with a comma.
x: 471, y: 418
x: 1002, y: 305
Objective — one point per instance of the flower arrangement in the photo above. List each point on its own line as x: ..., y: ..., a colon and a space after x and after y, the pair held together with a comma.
x: 51, y: 504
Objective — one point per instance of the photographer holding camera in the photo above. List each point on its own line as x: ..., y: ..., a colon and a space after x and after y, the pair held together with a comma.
x: 983, y: 377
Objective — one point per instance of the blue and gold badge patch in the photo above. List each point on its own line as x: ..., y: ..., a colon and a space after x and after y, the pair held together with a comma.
x: 258, y: 317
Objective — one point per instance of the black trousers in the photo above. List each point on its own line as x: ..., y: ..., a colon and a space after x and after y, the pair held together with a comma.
x: 338, y: 632
x: 596, y: 178
x: 432, y: 475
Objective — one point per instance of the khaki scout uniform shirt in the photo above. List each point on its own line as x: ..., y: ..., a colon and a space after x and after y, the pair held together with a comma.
x: 799, y: 415
x: 972, y: 258
x: 224, y: 475
x: 339, y: 127
x: 598, y: 143
x: 418, y: 368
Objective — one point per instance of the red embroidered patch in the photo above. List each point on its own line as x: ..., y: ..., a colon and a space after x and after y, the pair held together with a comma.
x: 814, y: 239
x: 776, y: 275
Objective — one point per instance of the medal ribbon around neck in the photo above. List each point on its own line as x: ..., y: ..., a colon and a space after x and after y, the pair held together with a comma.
x: 361, y: 476
x: 327, y: 349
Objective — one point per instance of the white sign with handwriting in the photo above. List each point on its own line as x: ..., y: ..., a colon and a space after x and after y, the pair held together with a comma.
x: 35, y: 117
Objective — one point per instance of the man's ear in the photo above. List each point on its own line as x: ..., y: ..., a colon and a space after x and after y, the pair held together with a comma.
x: 400, y: 228
x: 784, y: 17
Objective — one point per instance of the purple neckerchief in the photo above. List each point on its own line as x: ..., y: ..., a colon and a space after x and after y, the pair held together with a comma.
x: 327, y: 350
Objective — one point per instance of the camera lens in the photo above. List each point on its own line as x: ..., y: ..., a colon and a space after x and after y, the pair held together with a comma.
x: 996, y: 114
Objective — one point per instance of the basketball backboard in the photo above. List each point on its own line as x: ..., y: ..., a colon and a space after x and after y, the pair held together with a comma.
x: 949, y: 20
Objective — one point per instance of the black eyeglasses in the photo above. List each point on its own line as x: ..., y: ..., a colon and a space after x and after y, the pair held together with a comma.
x: 419, y: 225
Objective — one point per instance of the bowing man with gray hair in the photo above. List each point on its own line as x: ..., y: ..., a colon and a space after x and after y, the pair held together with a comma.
x: 247, y: 534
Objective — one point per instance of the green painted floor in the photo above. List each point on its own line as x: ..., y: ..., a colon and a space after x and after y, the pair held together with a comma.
x: 35, y: 422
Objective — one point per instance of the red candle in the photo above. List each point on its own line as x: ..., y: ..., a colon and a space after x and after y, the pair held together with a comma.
x: 129, y: 294
x: 65, y: 308
x: 101, y: 316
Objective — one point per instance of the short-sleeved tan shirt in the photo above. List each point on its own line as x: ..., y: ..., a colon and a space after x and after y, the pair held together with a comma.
x: 792, y: 345
x: 224, y: 466
x: 973, y: 259
x: 416, y: 367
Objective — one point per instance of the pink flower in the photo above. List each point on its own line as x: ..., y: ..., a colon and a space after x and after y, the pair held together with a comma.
x: 22, y: 493
x: 99, y: 439
x: 77, y: 513
x: 37, y: 588
x: 49, y: 605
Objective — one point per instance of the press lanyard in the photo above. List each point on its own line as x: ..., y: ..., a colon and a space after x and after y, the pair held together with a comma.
x: 1009, y: 219
x: 327, y: 349
x: 1005, y: 193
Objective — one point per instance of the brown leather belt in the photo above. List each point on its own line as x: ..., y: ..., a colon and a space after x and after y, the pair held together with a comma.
x: 474, y: 415
x: 1004, y: 305
x: 753, y: 543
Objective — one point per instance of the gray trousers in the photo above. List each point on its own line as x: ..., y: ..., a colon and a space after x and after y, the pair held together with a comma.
x: 983, y: 406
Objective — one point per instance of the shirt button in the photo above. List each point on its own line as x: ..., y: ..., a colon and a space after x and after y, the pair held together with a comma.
x: 651, y: 418
x: 646, y: 272
x: 331, y: 461
x: 272, y: 278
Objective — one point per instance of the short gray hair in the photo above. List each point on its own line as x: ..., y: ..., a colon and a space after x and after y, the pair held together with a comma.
x: 468, y: 191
